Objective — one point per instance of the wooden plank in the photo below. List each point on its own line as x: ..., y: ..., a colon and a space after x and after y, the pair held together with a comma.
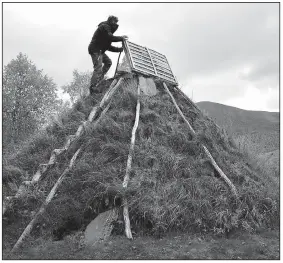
x: 135, y: 45
x: 140, y: 56
x: 158, y: 56
x: 166, y: 75
x: 166, y: 78
x: 142, y: 59
x: 159, y: 59
x: 168, y: 71
x: 135, y: 57
x: 139, y: 51
x: 145, y: 69
x: 128, y: 53
x: 154, y: 53
x: 144, y: 64
x: 160, y: 63
x: 140, y: 71
x: 151, y: 61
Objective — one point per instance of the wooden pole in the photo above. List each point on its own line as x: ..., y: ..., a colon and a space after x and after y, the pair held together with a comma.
x: 47, y: 201
x: 217, y: 168
x: 128, y: 169
x: 117, y: 64
x: 56, y: 152
x: 52, y: 192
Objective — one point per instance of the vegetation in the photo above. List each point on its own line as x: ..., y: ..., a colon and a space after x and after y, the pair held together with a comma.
x: 173, y: 187
x: 29, y: 97
x: 79, y: 85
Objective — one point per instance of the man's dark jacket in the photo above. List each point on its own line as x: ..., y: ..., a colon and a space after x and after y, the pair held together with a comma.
x: 103, y: 37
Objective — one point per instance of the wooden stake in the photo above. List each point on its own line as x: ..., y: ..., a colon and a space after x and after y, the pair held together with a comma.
x: 56, y: 152
x: 128, y: 169
x: 217, y: 168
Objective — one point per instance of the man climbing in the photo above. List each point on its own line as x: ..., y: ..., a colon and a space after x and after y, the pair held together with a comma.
x: 101, y: 41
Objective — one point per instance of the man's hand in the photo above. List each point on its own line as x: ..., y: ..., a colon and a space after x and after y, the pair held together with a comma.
x: 125, y: 37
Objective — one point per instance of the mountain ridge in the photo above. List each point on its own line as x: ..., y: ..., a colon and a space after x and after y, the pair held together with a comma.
x: 221, y: 104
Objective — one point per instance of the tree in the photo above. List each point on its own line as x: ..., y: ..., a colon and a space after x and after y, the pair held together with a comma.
x: 79, y: 86
x: 28, y: 95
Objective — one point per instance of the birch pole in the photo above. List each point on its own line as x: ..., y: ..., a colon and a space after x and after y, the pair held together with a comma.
x: 214, y: 164
x: 56, y: 152
x: 47, y: 201
x: 128, y: 169
x: 53, y: 190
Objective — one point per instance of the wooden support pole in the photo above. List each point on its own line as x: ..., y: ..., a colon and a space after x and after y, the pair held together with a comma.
x: 28, y: 229
x: 217, y: 168
x: 56, y: 152
x: 53, y: 190
x: 128, y: 169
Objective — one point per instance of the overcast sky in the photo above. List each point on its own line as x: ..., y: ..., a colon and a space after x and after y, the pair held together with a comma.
x: 220, y: 52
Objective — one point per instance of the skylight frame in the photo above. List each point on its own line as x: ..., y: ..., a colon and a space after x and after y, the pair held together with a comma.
x: 148, y: 61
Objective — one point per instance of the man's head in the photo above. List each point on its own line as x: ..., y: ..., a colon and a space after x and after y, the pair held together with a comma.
x: 113, y: 19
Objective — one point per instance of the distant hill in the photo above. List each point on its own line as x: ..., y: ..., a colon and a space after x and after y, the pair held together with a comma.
x: 260, y: 127
x: 255, y: 131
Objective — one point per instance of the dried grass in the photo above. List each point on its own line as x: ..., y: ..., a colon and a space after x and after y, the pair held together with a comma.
x: 172, y: 184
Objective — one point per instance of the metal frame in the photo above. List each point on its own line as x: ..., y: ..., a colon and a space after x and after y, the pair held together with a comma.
x: 148, y: 61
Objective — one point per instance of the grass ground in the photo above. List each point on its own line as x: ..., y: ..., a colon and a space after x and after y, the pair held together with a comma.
x: 264, y: 245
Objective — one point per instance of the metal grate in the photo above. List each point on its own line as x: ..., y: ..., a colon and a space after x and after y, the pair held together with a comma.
x: 148, y: 61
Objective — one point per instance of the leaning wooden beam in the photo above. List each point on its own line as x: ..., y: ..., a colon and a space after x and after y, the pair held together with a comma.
x: 217, y: 168
x: 52, y: 192
x: 109, y: 93
x: 188, y: 99
x: 193, y: 104
x: 128, y: 169
x: 47, y: 201
x: 56, y: 152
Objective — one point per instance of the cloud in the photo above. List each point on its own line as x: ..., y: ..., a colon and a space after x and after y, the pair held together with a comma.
x: 216, y: 86
x: 256, y: 99
x: 272, y: 102
x: 268, y: 68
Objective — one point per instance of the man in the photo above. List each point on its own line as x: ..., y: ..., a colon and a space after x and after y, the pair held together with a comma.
x: 101, y: 41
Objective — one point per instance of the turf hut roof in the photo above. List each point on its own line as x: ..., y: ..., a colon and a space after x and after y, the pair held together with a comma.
x: 172, y: 184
